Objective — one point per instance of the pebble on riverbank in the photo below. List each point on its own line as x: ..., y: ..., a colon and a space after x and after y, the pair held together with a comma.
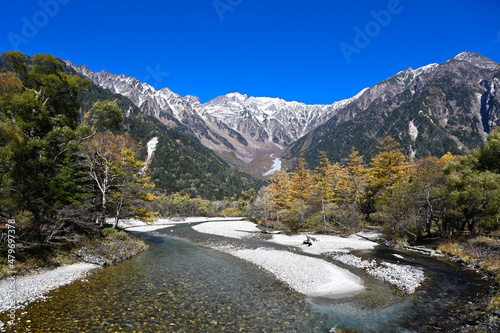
x: 34, y: 287
x: 405, y: 277
x: 307, y: 275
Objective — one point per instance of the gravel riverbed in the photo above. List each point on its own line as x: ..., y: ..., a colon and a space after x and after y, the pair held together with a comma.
x: 405, y: 277
x: 307, y: 275
x: 18, y: 292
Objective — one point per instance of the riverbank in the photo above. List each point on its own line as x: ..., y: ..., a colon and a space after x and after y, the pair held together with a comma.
x: 483, y: 255
x: 18, y: 292
x: 316, y: 276
x: 37, y: 277
x: 479, y: 315
x: 313, y: 270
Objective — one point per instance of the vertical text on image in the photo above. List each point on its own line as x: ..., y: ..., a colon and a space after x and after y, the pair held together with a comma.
x: 10, y: 300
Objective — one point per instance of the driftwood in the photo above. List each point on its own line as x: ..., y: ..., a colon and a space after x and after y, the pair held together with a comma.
x: 271, y: 232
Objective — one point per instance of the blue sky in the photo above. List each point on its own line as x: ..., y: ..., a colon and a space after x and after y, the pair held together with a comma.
x: 315, y: 51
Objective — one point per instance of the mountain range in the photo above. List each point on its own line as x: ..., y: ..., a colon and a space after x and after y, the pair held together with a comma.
x: 429, y: 111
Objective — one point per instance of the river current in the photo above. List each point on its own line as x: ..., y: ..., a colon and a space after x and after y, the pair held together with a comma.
x: 180, y: 286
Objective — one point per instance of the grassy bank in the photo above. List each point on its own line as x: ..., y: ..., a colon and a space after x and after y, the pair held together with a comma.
x: 113, y: 247
x: 481, y: 253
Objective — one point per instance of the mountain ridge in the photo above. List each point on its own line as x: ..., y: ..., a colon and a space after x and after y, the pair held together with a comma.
x: 448, y: 107
x: 246, y: 131
x: 251, y: 132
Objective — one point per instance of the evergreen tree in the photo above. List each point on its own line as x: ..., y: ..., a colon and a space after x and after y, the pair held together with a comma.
x: 38, y: 116
x: 473, y: 185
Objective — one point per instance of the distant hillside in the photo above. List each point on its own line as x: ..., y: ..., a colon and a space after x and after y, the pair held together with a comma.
x: 180, y: 163
x: 430, y: 111
x: 249, y: 132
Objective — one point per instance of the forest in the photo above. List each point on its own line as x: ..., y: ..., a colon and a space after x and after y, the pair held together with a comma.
x: 62, y: 174
x: 71, y: 160
x: 430, y: 197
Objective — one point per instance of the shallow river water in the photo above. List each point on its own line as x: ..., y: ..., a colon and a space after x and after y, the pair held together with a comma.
x: 179, y: 286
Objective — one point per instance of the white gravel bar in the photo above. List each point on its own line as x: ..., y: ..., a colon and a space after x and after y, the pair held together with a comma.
x: 325, y: 243
x: 233, y: 229
x: 405, y: 277
x: 307, y: 275
x: 140, y: 226
x: 20, y: 291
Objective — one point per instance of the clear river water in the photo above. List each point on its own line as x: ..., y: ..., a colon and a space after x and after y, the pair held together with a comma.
x: 181, y: 286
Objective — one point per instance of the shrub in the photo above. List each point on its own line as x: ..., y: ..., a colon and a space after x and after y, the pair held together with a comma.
x: 121, y: 235
x: 231, y: 212
x: 316, y: 222
x: 109, y: 231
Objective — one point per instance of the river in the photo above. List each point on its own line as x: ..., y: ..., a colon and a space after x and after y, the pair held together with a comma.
x: 180, y: 286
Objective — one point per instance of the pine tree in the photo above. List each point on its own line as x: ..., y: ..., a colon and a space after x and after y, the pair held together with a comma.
x: 357, y: 178
x: 389, y: 168
x: 301, y: 182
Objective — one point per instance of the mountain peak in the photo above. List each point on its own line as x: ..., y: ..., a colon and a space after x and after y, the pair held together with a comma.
x: 477, y: 60
x: 237, y: 95
x: 468, y: 56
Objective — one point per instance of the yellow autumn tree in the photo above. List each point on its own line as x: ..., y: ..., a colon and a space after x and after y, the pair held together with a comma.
x: 356, y: 180
x: 278, y: 194
x: 335, y: 174
x: 301, y: 182
x: 389, y: 168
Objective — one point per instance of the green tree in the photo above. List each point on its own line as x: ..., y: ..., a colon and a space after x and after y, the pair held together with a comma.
x: 38, y: 116
x: 133, y: 189
x: 474, y: 188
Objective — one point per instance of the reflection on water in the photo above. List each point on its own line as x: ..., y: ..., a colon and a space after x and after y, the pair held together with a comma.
x: 181, y: 287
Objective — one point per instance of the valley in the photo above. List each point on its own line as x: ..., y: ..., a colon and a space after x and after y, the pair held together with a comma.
x: 429, y: 111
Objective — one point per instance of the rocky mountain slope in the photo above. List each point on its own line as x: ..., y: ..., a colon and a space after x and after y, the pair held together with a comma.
x: 179, y: 162
x: 248, y: 131
x: 429, y: 111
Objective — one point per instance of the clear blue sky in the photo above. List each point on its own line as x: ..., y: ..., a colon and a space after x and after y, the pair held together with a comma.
x: 308, y: 51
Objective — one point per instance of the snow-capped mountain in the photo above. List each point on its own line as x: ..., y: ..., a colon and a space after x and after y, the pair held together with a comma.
x: 165, y: 105
x: 251, y: 131
x: 269, y: 119
x: 432, y: 110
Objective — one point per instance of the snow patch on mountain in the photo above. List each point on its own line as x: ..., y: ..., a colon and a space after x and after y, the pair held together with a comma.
x: 245, y: 159
x: 152, y: 144
x: 412, y: 131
